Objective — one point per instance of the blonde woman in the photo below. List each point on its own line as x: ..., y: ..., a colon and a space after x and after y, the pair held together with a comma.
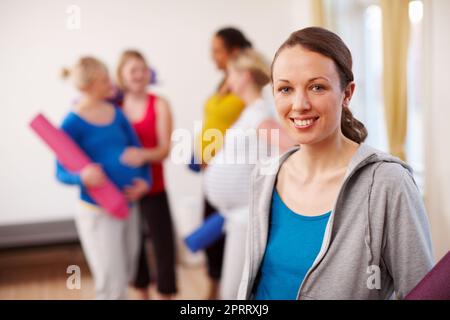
x: 151, y: 118
x: 227, y: 177
x: 103, y: 132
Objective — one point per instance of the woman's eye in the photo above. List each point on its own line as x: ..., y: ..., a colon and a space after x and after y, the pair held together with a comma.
x: 284, y: 89
x: 317, y: 88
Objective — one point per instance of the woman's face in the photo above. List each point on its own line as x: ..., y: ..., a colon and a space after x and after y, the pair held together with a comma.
x: 101, y: 87
x: 237, y: 80
x: 308, y: 94
x: 220, y: 53
x: 135, y: 75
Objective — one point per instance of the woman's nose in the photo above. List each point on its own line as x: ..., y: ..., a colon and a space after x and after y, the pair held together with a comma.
x: 301, y: 102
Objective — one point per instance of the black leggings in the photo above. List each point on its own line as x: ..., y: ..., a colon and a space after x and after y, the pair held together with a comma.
x: 155, y: 212
x: 214, y: 252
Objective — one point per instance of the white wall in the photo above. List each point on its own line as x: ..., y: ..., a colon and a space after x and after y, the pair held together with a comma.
x: 175, y: 37
x: 437, y: 117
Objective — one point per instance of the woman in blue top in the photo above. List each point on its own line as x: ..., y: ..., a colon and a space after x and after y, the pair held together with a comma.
x: 102, y: 131
x: 333, y: 218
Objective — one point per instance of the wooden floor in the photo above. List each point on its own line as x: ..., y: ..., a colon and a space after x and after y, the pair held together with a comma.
x: 40, y: 273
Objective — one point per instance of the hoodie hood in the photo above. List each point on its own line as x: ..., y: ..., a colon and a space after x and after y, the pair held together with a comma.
x: 366, y: 155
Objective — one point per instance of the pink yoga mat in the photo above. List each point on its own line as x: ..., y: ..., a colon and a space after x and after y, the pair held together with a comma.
x: 436, y: 284
x: 72, y: 157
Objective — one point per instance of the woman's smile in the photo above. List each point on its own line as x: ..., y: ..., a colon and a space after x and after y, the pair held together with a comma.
x: 304, y: 122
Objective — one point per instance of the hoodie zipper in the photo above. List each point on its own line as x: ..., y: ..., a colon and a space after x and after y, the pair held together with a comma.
x: 330, y: 223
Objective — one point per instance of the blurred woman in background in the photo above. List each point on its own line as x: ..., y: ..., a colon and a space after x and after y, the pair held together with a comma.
x: 221, y: 110
x: 151, y: 118
x: 101, y: 130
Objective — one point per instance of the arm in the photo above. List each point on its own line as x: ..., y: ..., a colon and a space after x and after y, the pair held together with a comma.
x: 408, y: 250
x: 62, y: 174
x: 134, y: 142
x: 66, y: 176
x: 163, y: 131
x: 133, y: 139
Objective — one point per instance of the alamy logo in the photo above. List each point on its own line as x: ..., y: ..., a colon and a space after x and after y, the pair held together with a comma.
x: 374, y: 279
x: 244, y: 147
x: 73, y: 21
x: 74, y: 280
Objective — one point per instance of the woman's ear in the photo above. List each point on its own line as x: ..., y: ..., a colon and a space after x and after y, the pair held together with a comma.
x: 248, y: 75
x: 348, y: 93
x: 85, y: 88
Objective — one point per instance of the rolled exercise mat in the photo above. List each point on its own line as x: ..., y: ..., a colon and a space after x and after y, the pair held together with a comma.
x: 436, y: 283
x: 73, y: 158
x: 206, y: 234
x: 193, y: 165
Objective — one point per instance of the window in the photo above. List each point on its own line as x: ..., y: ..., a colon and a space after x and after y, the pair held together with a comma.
x: 415, y: 138
x: 359, y: 23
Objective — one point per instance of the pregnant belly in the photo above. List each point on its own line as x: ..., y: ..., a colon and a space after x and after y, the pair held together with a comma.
x: 227, y: 186
x: 120, y: 174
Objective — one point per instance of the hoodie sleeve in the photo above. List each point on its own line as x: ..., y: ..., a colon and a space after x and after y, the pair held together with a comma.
x: 408, y: 250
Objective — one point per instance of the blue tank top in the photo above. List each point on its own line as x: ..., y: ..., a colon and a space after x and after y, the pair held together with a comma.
x: 293, y: 244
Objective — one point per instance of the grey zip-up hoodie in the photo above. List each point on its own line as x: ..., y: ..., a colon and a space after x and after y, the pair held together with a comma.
x: 377, y: 241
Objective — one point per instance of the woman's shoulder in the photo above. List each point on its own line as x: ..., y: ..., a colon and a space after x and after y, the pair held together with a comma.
x: 118, y: 112
x: 393, y: 170
x: 161, y: 104
x: 160, y: 100
x: 385, y: 165
x: 229, y: 99
x: 71, y: 120
x: 233, y: 102
x: 393, y: 179
x: 389, y: 175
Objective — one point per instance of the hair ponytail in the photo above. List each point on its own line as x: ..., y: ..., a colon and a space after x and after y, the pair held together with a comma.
x: 65, y: 73
x: 351, y: 127
x: 84, y: 72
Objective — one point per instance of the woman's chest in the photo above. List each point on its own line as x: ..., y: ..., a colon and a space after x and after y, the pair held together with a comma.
x: 312, y: 198
x: 136, y: 112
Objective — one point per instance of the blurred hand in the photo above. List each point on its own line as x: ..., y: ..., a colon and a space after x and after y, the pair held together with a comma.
x: 133, y: 157
x: 92, y: 175
x: 137, y: 190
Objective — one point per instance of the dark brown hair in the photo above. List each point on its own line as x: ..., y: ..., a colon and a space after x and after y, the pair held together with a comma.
x: 233, y: 38
x: 330, y: 45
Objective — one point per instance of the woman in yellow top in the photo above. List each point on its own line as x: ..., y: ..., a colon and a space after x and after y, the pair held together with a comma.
x: 222, y: 109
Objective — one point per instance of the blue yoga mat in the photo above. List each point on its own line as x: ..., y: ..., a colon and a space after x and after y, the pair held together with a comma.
x: 193, y: 166
x: 208, y: 233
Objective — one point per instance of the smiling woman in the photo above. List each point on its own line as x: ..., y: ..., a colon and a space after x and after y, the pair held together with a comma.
x: 329, y: 82
x: 336, y: 209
